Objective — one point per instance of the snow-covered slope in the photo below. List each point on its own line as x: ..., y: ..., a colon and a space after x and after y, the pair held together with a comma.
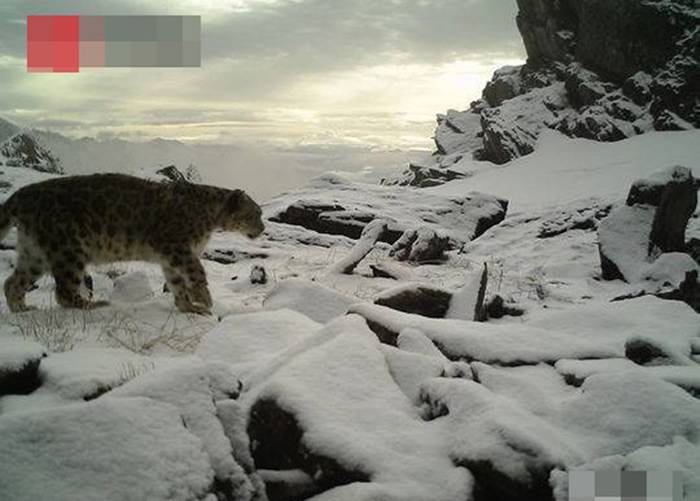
x: 563, y: 169
x: 452, y: 409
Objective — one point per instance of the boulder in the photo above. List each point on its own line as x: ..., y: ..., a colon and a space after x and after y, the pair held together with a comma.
x: 583, y: 86
x: 623, y: 242
x: 652, y: 223
x: 649, y: 190
x: 511, y: 130
x: 465, y: 304
x: 258, y: 275
x: 505, y: 84
x: 457, y: 132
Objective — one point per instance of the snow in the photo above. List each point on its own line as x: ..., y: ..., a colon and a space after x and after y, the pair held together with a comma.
x: 368, y: 239
x: 464, y: 304
x: 364, y: 423
x: 16, y: 352
x: 188, y: 388
x: 624, y: 239
x: 110, y: 449
x: 669, y: 269
x: 687, y: 377
x: 550, y: 389
x: 133, y: 287
x: 591, y: 169
x: 512, y: 344
x: 348, y: 204
x: 317, y: 302
x: 87, y: 372
x: 250, y: 340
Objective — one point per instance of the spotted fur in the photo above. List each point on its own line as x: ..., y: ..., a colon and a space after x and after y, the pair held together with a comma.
x: 64, y: 224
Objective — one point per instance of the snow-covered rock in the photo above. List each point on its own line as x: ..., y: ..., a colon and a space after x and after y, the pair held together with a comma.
x: 314, y: 414
x: 649, y: 190
x: 624, y: 242
x: 249, y: 340
x: 87, y: 373
x: 457, y: 132
x: 421, y: 245
x: 590, y: 331
x: 511, y: 130
x: 192, y: 390
x: 595, y: 70
x: 24, y: 150
x: 109, y: 449
x: 316, y: 301
x: 19, y: 364
x: 331, y: 204
x: 170, y: 174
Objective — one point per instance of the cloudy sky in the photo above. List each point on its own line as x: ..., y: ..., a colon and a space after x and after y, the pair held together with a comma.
x: 290, y: 72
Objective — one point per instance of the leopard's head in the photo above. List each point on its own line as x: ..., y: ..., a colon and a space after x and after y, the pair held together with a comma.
x: 242, y: 214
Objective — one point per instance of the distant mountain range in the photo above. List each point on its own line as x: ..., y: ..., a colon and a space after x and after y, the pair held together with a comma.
x: 263, y: 171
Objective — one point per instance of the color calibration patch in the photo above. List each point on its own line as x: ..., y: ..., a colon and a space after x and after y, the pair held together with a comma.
x: 68, y: 43
x: 625, y: 486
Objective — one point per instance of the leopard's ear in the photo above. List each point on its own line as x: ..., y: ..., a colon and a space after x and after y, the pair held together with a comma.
x: 234, y: 200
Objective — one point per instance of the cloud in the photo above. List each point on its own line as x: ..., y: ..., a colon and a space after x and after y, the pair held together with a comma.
x: 284, y: 69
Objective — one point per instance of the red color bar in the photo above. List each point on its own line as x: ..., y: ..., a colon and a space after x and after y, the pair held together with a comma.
x: 53, y: 43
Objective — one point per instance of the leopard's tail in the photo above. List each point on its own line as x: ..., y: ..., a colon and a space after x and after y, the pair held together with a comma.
x: 5, y: 221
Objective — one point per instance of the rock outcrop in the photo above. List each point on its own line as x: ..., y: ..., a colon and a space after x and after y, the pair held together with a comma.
x: 596, y: 69
x: 644, y: 239
x: 335, y: 206
x: 23, y: 150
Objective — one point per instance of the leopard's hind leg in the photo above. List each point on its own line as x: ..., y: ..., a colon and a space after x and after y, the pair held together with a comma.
x: 31, y: 264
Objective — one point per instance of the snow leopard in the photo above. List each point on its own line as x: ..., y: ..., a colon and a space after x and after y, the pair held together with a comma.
x: 64, y: 224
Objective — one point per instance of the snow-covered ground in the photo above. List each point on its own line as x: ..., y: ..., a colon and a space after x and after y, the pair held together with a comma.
x: 139, y: 401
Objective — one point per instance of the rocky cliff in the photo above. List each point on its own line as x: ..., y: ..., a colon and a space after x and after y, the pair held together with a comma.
x: 597, y: 69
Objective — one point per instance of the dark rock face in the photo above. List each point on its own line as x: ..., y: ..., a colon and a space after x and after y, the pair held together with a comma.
x: 427, y: 301
x: 621, y: 37
x: 22, y: 380
x: 677, y: 204
x: 277, y: 441
x: 490, y: 483
x: 603, y: 70
x: 548, y: 29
